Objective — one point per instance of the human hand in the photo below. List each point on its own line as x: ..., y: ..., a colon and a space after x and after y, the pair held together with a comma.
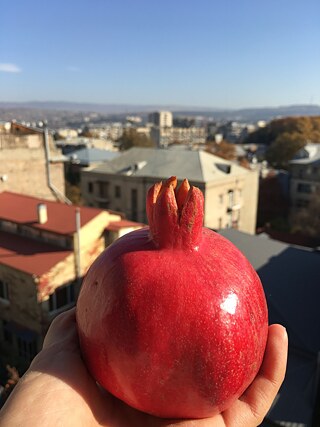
x: 57, y: 389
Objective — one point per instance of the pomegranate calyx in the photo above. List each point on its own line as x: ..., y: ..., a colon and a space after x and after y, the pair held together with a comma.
x: 175, y: 214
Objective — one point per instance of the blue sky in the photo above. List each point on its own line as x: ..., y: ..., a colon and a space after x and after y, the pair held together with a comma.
x: 223, y: 54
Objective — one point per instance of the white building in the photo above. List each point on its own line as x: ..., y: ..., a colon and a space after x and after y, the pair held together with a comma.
x: 305, y: 176
x: 162, y: 119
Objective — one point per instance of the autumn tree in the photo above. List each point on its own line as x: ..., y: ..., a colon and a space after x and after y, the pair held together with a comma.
x: 132, y: 138
x: 284, y: 137
x: 224, y: 149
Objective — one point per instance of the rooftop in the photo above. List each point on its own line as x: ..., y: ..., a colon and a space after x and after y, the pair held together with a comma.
x: 290, y: 277
x: 28, y: 255
x: 307, y: 155
x: 198, y: 166
x: 22, y: 209
x: 118, y: 225
x: 86, y: 156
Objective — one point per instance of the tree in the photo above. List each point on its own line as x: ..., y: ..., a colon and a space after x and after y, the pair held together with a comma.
x: 224, y: 149
x: 285, y: 137
x: 283, y: 149
x: 132, y: 138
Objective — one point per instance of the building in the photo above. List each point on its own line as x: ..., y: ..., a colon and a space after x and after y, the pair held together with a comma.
x: 46, y: 248
x: 162, y: 119
x: 290, y: 277
x: 230, y: 191
x: 26, y: 162
x: 305, y: 176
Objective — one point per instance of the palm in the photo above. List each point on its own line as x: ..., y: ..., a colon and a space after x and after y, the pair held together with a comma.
x: 70, y: 397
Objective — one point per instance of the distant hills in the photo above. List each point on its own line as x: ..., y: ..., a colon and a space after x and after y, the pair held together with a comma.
x: 243, y: 115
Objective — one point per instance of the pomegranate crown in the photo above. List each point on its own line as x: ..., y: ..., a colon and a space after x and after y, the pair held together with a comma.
x: 175, y: 214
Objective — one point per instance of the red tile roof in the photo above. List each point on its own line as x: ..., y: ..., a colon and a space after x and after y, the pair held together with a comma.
x: 22, y: 209
x: 29, y: 256
x: 117, y: 225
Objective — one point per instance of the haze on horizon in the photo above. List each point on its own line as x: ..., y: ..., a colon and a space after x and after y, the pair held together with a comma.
x: 203, y: 54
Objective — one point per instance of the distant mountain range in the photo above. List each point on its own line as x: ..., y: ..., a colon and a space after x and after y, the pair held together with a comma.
x: 245, y: 114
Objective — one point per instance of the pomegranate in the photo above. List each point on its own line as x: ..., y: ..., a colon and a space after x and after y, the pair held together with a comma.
x: 172, y: 319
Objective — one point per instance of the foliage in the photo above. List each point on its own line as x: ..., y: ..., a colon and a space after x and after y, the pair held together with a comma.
x: 224, y: 149
x: 132, y: 138
x: 285, y: 137
x: 73, y: 193
x: 283, y: 149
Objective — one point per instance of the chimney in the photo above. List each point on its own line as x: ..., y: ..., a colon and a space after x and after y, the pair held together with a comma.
x: 42, y: 213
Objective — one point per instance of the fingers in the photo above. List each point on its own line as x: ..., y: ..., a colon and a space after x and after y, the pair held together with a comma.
x: 62, y: 330
x: 262, y: 392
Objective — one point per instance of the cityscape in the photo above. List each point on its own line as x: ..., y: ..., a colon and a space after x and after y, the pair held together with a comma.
x: 262, y: 197
x: 100, y: 102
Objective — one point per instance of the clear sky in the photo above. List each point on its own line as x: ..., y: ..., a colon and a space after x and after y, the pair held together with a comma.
x: 224, y: 54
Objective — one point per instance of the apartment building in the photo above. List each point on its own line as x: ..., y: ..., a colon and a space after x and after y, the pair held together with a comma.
x: 46, y: 248
x: 162, y: 119
x: 230, y: 190
x: 305, y: 176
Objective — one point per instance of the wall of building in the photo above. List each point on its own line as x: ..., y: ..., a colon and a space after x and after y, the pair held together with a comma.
x: 23, y: 170
x: 244, y: 187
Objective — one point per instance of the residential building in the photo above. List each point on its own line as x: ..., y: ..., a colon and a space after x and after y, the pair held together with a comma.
x: 162, y: 119
x: 46, y: 248
x: 305, y: 176
x: 121, y: 184
x: 290, y: 278
x: 26, y: 162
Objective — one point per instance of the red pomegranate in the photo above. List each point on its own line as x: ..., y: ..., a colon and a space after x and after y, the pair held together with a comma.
x: 172, y: 319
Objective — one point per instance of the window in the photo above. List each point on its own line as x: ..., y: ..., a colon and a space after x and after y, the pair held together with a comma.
x: 90, y: 187
x: 103, y: 189
x: 230, y: 198
x: 4, y: 291
x: 61, y: 297
x: 221, y: 198
x: 117, y: 191
x: 304, y: 188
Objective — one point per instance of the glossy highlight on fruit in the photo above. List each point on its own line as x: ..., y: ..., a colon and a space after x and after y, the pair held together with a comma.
x: 172, y: 318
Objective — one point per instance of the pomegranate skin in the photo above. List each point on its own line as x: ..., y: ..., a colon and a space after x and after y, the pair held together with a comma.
x: 173, y: 332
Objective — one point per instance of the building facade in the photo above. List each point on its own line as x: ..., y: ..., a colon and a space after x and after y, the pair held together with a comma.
x: 230, y: 191
x: 305, y: 176
x: 23, y: 165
